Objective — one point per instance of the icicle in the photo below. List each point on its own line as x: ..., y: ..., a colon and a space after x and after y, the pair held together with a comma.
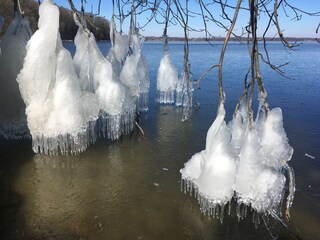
x: 180, y: 90
x: 229, y: 208
x: 292, y: 189
x: 222, y: 213
x: 238, y: 211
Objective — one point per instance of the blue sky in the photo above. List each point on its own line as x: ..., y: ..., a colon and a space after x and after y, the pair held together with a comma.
x: 306, y: 27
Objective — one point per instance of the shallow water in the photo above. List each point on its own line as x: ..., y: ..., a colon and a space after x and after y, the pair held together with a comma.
x: 130, y: 188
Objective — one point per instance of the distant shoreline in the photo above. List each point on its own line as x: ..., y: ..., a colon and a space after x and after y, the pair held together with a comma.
x: 217, y: 39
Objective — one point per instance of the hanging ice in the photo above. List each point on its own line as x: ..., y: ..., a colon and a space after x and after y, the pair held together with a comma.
x: 180, y: 90
x: 81, y: 57
x: 119, y: 50
x: 117, y: 108
x: 135, y: 73
x: 58, y: 112
x: 211, y: 172
x: 255, y: 184
x: 259, y: 181
x: 256, y: 178
x: 275, y: 150
x: 184, y: 93
x: 13, y: 122
x: 167, y: 80
x: 239, y: 126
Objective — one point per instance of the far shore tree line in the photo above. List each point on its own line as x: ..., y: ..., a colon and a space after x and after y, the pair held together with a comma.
x: 99, y: 26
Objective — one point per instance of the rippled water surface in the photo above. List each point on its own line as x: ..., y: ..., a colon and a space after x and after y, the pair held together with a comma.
x: 130, y: 188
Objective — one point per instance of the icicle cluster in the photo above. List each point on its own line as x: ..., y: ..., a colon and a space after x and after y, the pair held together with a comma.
x: 242, y: 162
x: 13, y: 121
x: 58, y: 111
x: 100, y: 76
x: 170, y: 88
x: 135, y: 72
x: 167, y: 80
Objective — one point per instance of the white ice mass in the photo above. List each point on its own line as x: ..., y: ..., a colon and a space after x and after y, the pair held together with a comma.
x: 135, y: 73
x: 210, y: 173
x: 167, y: 80
x: 97, y: 74
x: 58, y: 111
x: 243, y: 162
x: 13, y: 122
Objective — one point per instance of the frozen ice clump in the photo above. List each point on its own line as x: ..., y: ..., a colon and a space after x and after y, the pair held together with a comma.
x: 257, y: 185
x: 192, y: 168
x: 144, y: 83
x: 13, y: 121
x: 167, y: 80
x: 135, y: 73
x: 248, y: 168
x: 268, y: 191
x: 245, y: 161
x: 238, y: 126
x: 129, y: 75
x: 118, y: 109
x: 120, y: 46
x: 58, y: 112
x: 275, y: 150
x: 180, y: 90
x: 119, y: 49
x: 211, y: 173
x: 184, y: 94
x: 81, y: 58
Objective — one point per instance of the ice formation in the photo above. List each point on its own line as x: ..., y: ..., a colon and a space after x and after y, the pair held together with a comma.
x: 275, y: 150
x: 13, y: 122
x: 135, y: 73
x: 81, y: 57
x: 184, y: 93
x: 120, y: 48
x: 264, y: 154
x: 98, y: 75
x: 118, y: 109
x: 255, y: 184
x: 167, y: 80
x: 60, y: 115
x: 211, y: 172
x: 243, y: 162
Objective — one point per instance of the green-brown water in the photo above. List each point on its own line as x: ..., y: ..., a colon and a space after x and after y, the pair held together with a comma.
x: 130, y: 188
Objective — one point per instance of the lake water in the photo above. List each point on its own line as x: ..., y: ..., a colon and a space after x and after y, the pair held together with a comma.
x: 130, y: 188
